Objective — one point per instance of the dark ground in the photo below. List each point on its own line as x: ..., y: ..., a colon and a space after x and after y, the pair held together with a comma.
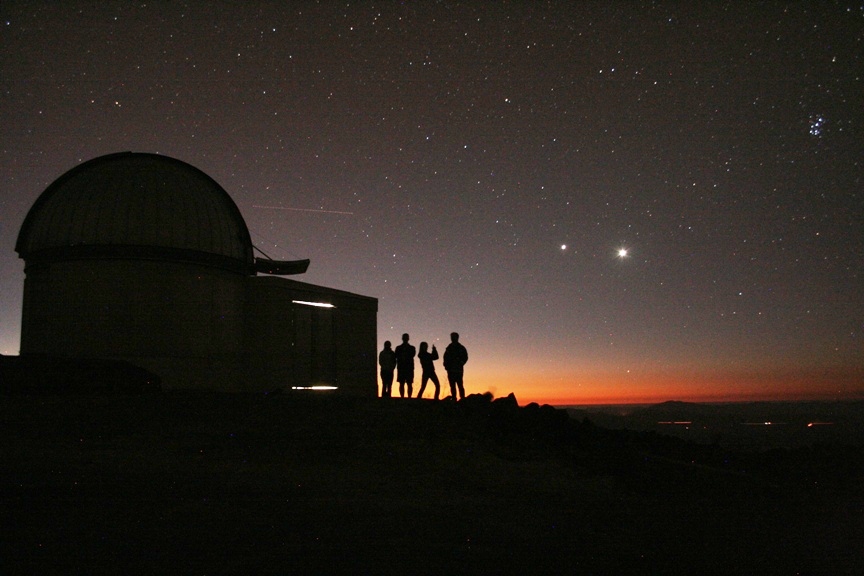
x: 204, y: 483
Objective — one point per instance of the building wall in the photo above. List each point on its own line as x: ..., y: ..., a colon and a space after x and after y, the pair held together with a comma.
x: 181, y: 321
x: 202, y: 327
x: 294, y: 344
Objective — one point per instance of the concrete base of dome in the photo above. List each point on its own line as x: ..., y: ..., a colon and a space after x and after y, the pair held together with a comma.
x: 202, y: 327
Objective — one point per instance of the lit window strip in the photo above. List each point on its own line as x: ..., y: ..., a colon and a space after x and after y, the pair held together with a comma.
x: 316, y: 304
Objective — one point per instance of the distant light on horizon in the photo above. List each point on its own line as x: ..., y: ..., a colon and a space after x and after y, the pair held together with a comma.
x: 766, y: 423
x: 314, y: 388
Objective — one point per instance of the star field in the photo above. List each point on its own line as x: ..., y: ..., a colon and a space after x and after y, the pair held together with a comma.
x: 609, y: 201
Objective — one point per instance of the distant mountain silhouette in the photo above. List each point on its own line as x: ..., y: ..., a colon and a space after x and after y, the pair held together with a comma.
x: 743, y: 425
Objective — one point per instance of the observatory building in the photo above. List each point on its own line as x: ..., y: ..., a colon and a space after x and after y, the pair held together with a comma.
x: 146, y: 259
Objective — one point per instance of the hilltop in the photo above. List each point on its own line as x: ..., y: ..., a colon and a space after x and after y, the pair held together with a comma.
x: 197, y: 482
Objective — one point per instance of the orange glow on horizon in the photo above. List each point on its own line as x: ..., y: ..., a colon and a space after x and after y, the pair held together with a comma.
x: 740, y: 386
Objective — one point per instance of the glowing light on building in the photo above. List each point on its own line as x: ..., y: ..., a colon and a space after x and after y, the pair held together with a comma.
x: 315, y: 304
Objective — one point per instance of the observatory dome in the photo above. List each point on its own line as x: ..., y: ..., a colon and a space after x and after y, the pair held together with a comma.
x: 136, y: 205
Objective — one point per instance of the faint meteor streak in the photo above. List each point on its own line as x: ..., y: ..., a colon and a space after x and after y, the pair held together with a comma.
x: 301, y: 209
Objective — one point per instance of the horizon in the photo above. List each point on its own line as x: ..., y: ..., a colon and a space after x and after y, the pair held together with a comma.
x: 820, y: 401
x: 781, y: 385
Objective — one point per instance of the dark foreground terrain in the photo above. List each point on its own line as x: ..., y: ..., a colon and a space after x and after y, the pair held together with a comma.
x: 201, y: 483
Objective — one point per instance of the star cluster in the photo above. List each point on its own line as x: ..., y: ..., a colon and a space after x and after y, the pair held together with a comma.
x: 607, y: 200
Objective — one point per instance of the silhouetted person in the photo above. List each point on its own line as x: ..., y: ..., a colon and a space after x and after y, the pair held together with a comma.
x: 387, y: 360
x: 405, y: 353
x: 455, y: 357
x: 426, y: 363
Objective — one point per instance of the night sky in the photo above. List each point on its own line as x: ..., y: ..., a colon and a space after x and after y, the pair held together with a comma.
x: 610, y: 201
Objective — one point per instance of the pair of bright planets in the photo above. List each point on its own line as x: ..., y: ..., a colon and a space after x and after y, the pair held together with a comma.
x: 621, y: 253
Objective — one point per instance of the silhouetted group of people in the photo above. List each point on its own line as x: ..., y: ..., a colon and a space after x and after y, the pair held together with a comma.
x: 402, y: 361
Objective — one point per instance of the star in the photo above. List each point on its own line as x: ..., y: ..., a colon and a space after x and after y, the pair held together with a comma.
x: 817, y: 125
x: 622, y: 252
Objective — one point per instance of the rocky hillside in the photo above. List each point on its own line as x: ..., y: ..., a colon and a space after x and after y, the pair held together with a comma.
x: 201, y: 483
